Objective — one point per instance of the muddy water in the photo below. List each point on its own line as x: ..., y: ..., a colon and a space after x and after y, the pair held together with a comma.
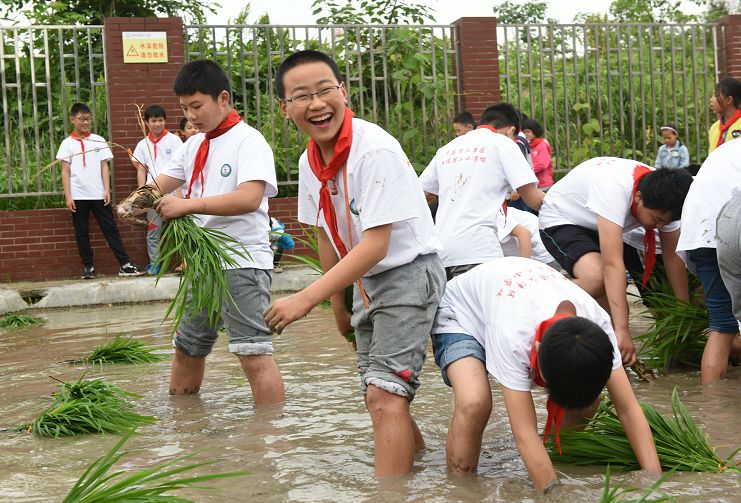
x: 318, y: 446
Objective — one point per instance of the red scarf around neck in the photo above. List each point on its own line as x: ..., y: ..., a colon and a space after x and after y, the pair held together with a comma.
x: 535, y: 142
x: 202, y: 154
x: 555, y: 411
x: 154, y: 141
x: 74, y: 136
x: 325, y: 172
x: 723, y: 126
x: 649, y: 239
x: 487, y: 126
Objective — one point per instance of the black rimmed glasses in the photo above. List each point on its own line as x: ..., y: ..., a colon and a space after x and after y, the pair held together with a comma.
x: 326, y: 93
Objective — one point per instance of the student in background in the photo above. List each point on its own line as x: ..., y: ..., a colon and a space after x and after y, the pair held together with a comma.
x: 187, y: 129
x: 463, y: 123
x: 672, y: 154
x: 726, y: 102
x: 540, y: 151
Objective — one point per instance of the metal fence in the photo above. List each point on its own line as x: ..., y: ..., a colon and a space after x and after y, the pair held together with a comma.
x: 403, y: 78
x: 606, y: 89
x: 43, y: 71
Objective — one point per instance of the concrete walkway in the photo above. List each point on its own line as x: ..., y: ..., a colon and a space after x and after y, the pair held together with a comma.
x: 114, y: 290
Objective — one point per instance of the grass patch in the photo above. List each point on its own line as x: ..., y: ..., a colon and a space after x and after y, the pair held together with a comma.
x: 15, y: 321
x: 87, y: 406
x: 98, y: 484
x: 680, y: 443
x: 122, y: 349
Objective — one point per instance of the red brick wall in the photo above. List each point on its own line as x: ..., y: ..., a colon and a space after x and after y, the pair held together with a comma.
x: 729, y: 46
x: 479, y: 63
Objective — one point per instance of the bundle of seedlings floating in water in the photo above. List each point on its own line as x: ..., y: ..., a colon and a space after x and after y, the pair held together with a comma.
x: 88, y: 406
x: 97, y: 484
x: 14, y: 321
x: 619, y: 493
x: 680, y: 443
x: 122, y: 349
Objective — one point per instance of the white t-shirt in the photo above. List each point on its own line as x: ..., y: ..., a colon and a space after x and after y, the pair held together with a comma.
x: 471, y: 176
x: 601, y: 186
x: 507, y: 223
x: 501, y: 303
x: 383, y: 188
x: 710, y: 190
x: 86, y: 180
x: 166, y: 148
x: 237, y: 156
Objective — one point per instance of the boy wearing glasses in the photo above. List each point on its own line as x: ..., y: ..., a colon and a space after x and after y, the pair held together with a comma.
x: 375, y: 230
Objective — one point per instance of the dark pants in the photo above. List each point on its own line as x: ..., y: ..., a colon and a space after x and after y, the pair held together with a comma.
x: 104, y: 215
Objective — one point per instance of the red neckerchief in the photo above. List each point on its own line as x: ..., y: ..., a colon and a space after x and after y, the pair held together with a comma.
x: 202, y: 154
x: 326, y: 172
x: 504, y: 208
x: 555, y: 411
x: 154, y: 142
x: 535, y: 142
x: 74, y: 136
x: 723, y: 126
x: 487, y: 126
x: 649, y: 238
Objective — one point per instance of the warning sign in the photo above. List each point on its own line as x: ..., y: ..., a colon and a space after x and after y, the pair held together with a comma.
x: 145, y: 46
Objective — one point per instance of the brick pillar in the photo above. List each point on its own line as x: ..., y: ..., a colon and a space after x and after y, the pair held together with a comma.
x: 478, y: 62
x: 141, y: 84
x: 729, y: 47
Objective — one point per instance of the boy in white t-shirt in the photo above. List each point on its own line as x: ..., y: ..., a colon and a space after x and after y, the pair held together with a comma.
x: 520, y: 228
x: 229, y: 175
x: 584, y: 216
x: 154, y: 151
x: 524, y: 323
x: 471, y: 176
x: 712, y: 188
x: 87, y: 188
x: 357, y: 185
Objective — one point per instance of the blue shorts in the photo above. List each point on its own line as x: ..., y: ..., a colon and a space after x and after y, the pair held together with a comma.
x: 449, y: 348
x: 717, y: 297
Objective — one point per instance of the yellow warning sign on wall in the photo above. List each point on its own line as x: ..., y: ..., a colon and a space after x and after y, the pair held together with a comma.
x: 144, y: 46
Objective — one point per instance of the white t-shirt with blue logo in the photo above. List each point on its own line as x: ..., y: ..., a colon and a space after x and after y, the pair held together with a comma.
x: 237, y: 156
x: 166, y: 148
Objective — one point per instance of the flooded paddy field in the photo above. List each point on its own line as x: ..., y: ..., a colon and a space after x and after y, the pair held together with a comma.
x: 318, y: 446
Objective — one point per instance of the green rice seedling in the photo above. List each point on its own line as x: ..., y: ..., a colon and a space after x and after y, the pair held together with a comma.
x: 680, y: 443
x: 98, y: 484
x: 618, y: 493
x: 122, y: 349
x: 14, y: 321
x: 203, y: 282
x: 88, y: 406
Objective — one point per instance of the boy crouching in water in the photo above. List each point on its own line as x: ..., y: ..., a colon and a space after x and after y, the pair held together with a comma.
x: 375, y: 229
x: 523, y: 322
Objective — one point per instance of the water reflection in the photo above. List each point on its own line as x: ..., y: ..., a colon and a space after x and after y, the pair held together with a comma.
x: 318, y: 446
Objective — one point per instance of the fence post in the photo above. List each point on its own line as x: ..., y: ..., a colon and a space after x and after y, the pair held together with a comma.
x: 478, y: 63
x: 729, y: 47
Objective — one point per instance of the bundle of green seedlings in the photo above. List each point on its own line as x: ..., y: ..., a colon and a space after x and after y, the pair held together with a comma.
x: 311, y: 241
x: 87, y: 406
x: 14, y: 321
x: 122, y: 349
x: 680, y: 443
x: 98, y: 484
x: 618, y: 492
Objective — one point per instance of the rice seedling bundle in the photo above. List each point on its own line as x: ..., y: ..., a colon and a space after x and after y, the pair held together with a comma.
x: 618, y: 493
x: 123, y: 349
x: 98, y: 485
x: 680, y: 443
x: 18, y: 321
x: 92, y: 406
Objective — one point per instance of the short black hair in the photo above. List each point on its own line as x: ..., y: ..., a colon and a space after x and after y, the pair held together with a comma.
x: 665, y: 189
x: 533, y: 126
x: 575, y: 359
x: 182, y: 123
x: 154, y: 111
x: 501, y: 115
x: 465, y: 118
x: 729, y: 87
x: 79, y: 108
x: 301, y: 58
x: 201, y: 76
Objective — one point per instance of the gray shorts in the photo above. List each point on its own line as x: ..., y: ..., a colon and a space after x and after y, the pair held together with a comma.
x: 245, y: 326
x: 392, y: 333
x: 728, y: 247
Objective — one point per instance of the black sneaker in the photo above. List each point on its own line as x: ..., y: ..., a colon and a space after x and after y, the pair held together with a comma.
x: 129, y: 270
x: 88, y: 272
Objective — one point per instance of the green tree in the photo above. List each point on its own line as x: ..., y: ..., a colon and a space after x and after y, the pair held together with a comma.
x: 649, y: 11
x: 529, y: 12
x: 371, y: 12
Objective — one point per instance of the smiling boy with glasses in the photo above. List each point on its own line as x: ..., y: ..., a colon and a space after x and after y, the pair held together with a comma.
x: 375, y: 230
